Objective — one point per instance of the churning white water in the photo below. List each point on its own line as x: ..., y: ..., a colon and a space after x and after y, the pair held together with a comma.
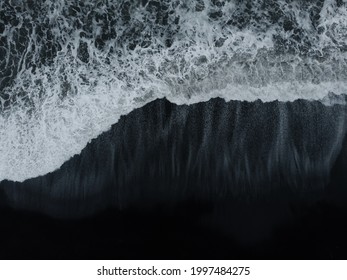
x: 69, y: 69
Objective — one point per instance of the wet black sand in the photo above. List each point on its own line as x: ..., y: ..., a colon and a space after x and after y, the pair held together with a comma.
x: 174, y: 182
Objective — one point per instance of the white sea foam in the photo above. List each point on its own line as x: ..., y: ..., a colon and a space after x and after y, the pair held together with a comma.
x: 59, y: 99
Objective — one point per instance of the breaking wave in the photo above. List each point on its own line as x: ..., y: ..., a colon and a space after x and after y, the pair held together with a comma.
x: 69, y: 69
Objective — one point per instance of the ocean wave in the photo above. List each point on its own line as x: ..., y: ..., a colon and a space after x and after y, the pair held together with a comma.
x: 69, y: 69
